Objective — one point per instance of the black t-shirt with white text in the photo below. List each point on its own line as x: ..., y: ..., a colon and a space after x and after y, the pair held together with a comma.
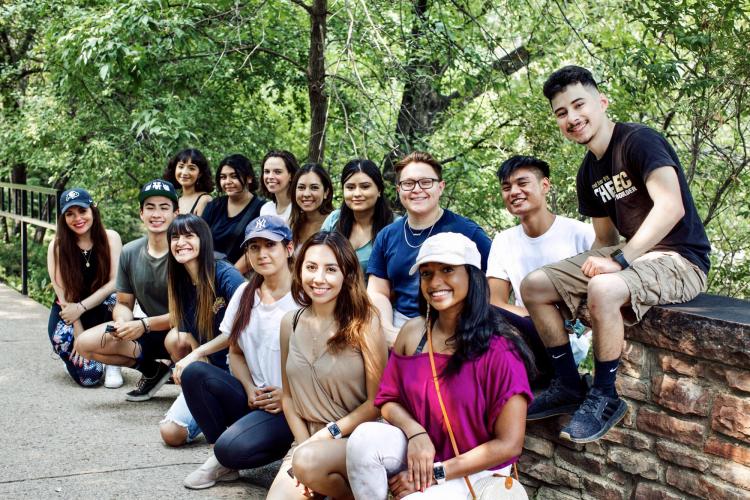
x: 615, y: 187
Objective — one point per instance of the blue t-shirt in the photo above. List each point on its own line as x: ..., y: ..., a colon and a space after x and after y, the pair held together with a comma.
x: 227, y: 280
x: 392, y: 257
x: 363, y: 252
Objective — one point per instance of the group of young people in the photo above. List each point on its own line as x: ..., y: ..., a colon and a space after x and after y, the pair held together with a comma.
x: 373, y: 353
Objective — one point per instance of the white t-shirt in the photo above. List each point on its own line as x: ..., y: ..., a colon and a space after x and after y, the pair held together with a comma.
x: 514, y: 254
x: 259, y: 341
x: 269, y: 208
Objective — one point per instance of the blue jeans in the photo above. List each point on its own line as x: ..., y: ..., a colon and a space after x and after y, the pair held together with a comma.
x: 244, y: 438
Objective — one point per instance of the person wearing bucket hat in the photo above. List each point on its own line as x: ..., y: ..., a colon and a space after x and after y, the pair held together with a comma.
x: 482, y: 362
x: 82, y: 263
x: 240, y: 412
x: 128, y: 341
x: 390, y: 287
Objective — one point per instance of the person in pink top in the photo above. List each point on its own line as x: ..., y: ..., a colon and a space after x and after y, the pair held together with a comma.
x: 482, y: 365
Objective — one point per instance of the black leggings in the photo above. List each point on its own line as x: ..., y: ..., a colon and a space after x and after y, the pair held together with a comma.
x: 244, y: 438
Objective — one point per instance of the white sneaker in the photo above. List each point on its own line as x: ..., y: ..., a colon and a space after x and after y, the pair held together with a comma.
x: 112, y: 377
x: 207, y: 474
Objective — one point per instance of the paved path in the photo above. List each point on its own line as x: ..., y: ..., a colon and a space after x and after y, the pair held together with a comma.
x: 63, y: 441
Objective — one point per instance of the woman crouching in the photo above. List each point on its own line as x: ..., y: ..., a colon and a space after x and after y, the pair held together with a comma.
x: 481, y: 365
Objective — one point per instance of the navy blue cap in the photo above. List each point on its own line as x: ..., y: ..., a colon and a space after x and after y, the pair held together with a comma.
x: 269, y: 227
x: 76, y: 197
x: 157, y: 187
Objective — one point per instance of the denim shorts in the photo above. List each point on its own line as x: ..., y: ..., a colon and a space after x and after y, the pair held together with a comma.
x: 179, y: 413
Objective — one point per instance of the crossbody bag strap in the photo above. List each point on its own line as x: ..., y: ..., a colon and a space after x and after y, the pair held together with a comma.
x: 442, y: 406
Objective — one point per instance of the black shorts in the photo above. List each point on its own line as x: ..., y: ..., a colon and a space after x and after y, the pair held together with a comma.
x: 152, y: 345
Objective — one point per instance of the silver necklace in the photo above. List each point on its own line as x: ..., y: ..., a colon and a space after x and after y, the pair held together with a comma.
x: 417, y: 235
x: 87, y: 256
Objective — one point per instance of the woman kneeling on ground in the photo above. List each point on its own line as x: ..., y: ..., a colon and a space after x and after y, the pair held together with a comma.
x: 241, y: 412
x: 82, y: 264
x: 332, y: 357
x: 481, y: 362
x: 199, y: 289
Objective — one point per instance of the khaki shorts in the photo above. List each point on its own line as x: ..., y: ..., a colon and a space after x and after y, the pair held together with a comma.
x: 654, y: 278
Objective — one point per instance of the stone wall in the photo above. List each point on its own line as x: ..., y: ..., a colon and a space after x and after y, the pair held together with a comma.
x: 686, y: 376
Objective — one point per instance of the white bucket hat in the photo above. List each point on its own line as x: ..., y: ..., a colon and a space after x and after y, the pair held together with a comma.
x: 448, y: 248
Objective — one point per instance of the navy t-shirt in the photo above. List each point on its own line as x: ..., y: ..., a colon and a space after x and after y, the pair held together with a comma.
x: 615, y: 187
x: 227, y: 280
x: 223, y: 227
x: 392, y: 257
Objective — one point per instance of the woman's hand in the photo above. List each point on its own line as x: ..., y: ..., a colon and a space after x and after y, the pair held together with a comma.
x: 71, y: 312
x: 420, y: 455
x: 400, y: 485
x: 267, y: 399
x: 182, y: 364
x: 129, y: 330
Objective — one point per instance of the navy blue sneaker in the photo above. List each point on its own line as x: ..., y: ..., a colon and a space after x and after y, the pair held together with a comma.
x: 557, y: 399
x: 596, y: 416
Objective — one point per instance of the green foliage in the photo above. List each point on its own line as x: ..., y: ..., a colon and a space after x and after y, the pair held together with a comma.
x: 101, y: 93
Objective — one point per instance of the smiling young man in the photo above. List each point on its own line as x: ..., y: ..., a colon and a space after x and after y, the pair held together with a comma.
x: 632, y: 185
x: 141, y: 275
x: 541, y: 238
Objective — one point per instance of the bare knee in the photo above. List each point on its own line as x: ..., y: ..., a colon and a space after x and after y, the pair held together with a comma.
x: 535, y: 287
x: 173, y: 434
x: 87, y: 342
x: 307, y: 465
x: 178, y: 344
x: 606, y: 294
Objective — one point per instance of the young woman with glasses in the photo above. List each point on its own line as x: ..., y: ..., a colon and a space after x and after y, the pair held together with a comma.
x: 419, y: 186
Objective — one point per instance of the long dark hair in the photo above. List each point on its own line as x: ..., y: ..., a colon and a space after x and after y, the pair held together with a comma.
x: 382, y: 213
x: 194, y: 156
x: 298, y: 217
x: 67, y: 256
x: 242, y: 167
x: 291, y: 164
x: 353, y: 311
x: 179, y: 282
x: 478, y: 322
x: 247, y: 300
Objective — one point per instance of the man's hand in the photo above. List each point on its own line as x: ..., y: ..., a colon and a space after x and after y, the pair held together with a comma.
x: 600, y: 265
x: 129, y: 330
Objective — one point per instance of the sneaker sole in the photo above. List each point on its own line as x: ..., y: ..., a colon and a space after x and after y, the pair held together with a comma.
x: 231, y: 476
x: 149, y: 394
x: 595, y: 437
x: 113, y: 386
x: 560, y: 410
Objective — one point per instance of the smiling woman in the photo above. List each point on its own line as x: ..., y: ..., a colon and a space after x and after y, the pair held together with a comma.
x: 82, y: 263
x: 189, y: 170
x: 199, y: 289
x: 312, y: 200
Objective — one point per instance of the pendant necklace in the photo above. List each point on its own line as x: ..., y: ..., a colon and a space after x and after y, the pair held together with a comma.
x: 87, y: 256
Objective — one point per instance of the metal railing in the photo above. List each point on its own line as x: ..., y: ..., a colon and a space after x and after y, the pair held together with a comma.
x: 28, y: 205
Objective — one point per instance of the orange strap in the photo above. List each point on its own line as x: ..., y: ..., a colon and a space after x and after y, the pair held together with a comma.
x: 442, y: 406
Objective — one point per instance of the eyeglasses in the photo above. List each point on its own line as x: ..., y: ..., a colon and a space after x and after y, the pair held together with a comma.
x: 410, y: 184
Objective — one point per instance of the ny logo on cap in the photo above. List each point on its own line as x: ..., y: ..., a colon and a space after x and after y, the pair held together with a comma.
x: 260, y: 224
x: 72, y: 195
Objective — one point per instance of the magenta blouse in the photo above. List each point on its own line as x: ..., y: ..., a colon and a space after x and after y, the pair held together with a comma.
x: 474, y: 397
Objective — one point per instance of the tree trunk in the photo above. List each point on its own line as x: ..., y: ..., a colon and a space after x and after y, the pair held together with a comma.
x: 316, y: 79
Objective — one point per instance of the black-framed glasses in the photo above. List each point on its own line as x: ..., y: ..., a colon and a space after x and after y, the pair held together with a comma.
x: 424, y: 183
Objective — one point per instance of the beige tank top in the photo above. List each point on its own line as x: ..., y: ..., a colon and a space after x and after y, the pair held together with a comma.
x: 327, y: 388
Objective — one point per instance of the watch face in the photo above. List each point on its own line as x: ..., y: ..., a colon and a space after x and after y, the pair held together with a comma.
x: 333, y: 428
x: 439, y: 472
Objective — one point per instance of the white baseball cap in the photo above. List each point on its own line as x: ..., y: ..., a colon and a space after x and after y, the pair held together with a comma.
x: 448, y: 248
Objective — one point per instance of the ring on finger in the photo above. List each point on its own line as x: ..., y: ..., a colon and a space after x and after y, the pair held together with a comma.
x: 269, y: 395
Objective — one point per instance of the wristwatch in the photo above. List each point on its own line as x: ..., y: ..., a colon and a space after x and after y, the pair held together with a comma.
x: 333, y: 428
x: 438, y: 472
x: 619, y: 257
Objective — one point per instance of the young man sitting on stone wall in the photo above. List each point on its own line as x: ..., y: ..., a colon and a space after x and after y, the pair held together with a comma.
x: 541, y: 238
x: 631, y: 184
